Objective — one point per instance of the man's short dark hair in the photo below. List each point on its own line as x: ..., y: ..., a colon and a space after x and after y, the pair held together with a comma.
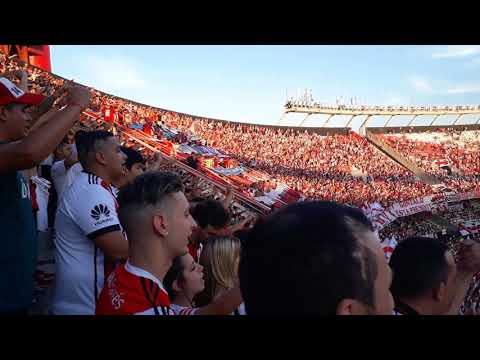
x: 210, y: 212
x: 305, y: 258
x: 419, y: 265
x: 133, y: 157
x: 89, y: 143
x: 148, y: 189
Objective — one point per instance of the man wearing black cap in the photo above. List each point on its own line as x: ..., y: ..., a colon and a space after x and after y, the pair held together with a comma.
x: 19, y: 151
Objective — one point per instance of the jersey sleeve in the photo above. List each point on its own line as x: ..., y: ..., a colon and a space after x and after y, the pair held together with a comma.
x: 58, y: 169
x: 95, y: 212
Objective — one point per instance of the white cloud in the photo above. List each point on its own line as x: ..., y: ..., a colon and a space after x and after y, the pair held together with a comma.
x: 465, y: 89
x: 114, y: 73
x: 456, y: 51
x: 420, y: 84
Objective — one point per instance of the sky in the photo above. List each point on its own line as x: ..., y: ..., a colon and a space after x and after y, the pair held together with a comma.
x: 251, y: 83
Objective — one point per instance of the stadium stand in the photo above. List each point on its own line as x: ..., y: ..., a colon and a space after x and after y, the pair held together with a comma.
x: 268, y: 167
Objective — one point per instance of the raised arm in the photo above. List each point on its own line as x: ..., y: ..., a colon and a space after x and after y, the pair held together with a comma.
x: 40, y: 142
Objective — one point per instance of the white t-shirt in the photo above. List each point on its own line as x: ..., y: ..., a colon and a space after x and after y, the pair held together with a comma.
x: 72, y: 174
x: 59, y: 174
x: 42, y: 193
x: 88, y: 209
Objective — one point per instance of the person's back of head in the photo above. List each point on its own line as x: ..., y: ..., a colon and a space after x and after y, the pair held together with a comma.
x: 423, y: 271
x: 219, y: 258
x: 314, y: 258
x: 211, y: 217
x: 100, y: 152
x: 152, y: 208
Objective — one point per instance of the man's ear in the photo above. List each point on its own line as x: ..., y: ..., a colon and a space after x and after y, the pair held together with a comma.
x: 100, y: 158
x: 350, y: 307
x: 438, y: 293
x: 159, y: 224
x: 3, y: 114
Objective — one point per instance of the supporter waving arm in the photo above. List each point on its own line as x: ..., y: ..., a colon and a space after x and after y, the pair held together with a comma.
x: 39, y: 143
x: 228, y: 197
x: 468, y: 264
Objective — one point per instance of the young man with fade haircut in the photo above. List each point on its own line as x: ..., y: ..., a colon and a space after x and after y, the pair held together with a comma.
x: 426, y: 279
x: 155, y: 215
x: 89, y: 240
x: 315, y: 258
x: 20, y: 150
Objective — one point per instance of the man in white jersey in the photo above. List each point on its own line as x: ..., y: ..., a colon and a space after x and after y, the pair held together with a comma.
x: 60, y: 168
x: 89, y: 239
x: 76, y: 169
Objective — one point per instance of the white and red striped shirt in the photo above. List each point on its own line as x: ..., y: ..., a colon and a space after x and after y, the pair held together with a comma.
x: 130, y: 290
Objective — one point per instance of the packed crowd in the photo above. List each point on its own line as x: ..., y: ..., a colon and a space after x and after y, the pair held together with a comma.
x: 414, y: 225
x: 319, y: 166
x: 457, y: 149
x: 466, y: 218
x: 343, y: 168
x: 160, y: 242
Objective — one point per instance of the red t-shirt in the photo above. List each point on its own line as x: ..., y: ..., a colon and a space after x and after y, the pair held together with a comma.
x: 133, y: 291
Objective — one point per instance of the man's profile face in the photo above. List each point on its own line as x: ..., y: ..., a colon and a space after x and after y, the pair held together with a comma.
x: 136, y: 170
x: 114, y: 157
x: 180, y: 224
x: 16, y: 119
x: 384, y: 303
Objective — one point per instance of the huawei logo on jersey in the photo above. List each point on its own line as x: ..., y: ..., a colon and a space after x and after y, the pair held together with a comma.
x: 100, y: 210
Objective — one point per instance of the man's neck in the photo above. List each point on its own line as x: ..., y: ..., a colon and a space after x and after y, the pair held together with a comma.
x: 100, y: 172
x: 421, y: 306
x: 152, y: 260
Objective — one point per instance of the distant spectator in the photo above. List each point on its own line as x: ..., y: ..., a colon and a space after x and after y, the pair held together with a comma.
x: 426, y: 279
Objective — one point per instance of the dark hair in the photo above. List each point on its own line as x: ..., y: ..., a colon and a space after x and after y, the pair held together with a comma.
x: 210, y: 212
x: 89, y: 143
x: 242, y: 235
x: 419, y: 264
x: 78, y: 135
x: 305, y: 258
x: 174, y: 273
x: 148, y: 189
x: 133, y: 157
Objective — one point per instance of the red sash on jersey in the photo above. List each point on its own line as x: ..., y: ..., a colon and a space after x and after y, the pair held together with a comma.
x: 33, y: 195
x: 126, y: 294
x: 108, y: 264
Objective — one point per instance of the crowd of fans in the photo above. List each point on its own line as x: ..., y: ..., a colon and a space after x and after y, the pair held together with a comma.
x: 414, y: 225
x: 343, y: 168
x: 165, y: 242
x: 434, y: 150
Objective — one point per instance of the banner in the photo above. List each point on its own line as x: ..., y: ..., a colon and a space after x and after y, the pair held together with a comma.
x: 229, y: 172
x: 381, y: 217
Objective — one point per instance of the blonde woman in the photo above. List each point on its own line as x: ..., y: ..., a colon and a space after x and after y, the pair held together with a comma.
x: 220, y: 258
